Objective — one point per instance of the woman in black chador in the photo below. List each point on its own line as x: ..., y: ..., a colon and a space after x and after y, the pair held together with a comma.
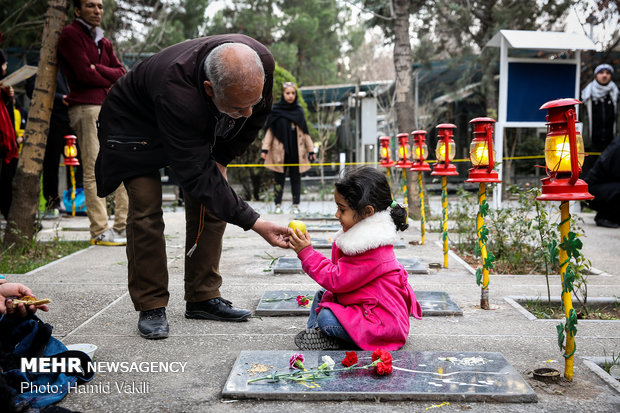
x: 292, y: 144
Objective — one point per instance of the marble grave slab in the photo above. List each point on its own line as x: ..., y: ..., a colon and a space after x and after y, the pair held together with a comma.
x: 317, y: 216
x: 440, y: 376
x: 284, y: 303
x: 323, y: 227
x: 326, y: 244
x: 437, y: 303
x: 292, y: 265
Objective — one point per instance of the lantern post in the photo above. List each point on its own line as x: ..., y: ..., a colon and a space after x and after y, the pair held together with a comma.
x: 564, y: 154
x: 445, y: 152
x: 385, y: 153
x: 482, y: 156
x: 419, y: 165
x: 404, y: 163
x: 70, y: 152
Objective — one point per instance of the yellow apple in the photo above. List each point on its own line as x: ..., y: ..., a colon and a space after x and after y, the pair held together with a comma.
x: 300, y: 225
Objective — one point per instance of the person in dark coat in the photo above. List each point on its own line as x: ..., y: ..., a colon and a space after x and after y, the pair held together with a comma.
x: 604, y: 183
x: 60, y: 127
x: 193, y: 107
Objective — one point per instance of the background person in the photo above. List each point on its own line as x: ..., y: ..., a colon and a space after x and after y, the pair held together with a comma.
x: 88, y: 60
x: 194, y: 106
x: 604, y: 183
x: 292, y: 144
x: 59, y: 127
x: 8, y: 141
x: 601, y: 101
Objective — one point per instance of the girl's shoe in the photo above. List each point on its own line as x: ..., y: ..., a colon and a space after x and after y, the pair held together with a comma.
x: 311, y: 339
x: 278, y: 209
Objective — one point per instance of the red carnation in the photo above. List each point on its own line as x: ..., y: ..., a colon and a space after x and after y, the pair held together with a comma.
x: 382, y: 355
x: 302, y: 300
x: 384, y: 369
x: 350, y: 359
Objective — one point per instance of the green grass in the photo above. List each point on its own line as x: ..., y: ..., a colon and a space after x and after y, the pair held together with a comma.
x: 36, y: 254
x: 542, y: 310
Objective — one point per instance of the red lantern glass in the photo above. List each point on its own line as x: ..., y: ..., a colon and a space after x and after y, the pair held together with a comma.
x: 563, y: 154
x: 70, y: 151
x: 403, y: 151
x: 481, y: 152
x: 386, y: 161
x: 445, y: 151
x: 420, y: 152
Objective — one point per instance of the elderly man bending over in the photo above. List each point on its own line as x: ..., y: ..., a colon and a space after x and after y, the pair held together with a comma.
x: 193, y: 106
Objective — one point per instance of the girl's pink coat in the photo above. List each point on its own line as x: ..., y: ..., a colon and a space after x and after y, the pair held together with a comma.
x: 367, y: 292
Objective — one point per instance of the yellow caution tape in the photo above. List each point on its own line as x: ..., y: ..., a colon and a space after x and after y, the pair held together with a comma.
x: 335, y: 164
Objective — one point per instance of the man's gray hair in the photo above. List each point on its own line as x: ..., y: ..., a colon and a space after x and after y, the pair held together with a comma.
x: 222, y: 76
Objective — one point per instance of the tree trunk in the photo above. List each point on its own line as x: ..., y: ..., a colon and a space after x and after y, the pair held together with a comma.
x: 27, y: 181
x: 403, y: 61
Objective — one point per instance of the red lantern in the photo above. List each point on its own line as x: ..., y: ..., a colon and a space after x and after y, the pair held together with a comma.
x: 420, y: 152
x: 481, y: 152
x: 564, y: 154
x: 70, y: 151
x: 386, y: 162
x: 445, y: 151
x: 403, y: 151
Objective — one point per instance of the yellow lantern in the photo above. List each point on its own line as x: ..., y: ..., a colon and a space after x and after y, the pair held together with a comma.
x: 421, y: 152
x: 479, y: 153
x: 440, y: 151
x: 70, y: 151
x: 557, y: 152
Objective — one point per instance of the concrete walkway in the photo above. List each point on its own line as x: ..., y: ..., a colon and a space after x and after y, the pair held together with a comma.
x: 91, y: 305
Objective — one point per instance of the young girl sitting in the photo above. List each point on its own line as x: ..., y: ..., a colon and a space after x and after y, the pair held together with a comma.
x: 366, y: 300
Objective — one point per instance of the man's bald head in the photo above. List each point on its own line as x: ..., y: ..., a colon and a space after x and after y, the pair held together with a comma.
x: 234, y: 64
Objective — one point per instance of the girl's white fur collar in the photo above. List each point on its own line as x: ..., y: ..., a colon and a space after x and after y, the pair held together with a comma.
x: 373, y: 232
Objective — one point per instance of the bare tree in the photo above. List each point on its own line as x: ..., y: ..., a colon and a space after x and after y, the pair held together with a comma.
x: 27, y: 180
x: 325, y: 116
x: 404, y: 103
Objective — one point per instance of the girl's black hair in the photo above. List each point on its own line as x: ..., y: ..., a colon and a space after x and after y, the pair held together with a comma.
x: 365, y: 186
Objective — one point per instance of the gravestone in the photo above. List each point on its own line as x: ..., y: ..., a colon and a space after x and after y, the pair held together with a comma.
x: 326, y: 243
x: 284, y: 302
x: 292, y: 265
x: 441, y: 376
x: 437, y: 303
x: 317, y: 216
x: 323, y: 227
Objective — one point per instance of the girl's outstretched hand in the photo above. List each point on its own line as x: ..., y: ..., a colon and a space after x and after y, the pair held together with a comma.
x: 298, y: 240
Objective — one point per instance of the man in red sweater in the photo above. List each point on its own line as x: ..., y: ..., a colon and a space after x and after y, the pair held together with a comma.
x: 91, y: 67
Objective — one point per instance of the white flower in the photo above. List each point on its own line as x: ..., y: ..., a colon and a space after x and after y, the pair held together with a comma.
x: 328, y: 363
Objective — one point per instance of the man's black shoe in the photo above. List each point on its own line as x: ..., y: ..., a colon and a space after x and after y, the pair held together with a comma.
x: 216, y: 309
x: 153, y: 324
x: 602, y: 222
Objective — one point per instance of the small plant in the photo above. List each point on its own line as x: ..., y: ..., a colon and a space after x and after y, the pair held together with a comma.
x: 272, y: 260
x: 615, y: 361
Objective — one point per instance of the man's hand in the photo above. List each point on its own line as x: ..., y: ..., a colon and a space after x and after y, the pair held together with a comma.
x: 298, y: 240
x: 222, y: 169
x: 263, y: 155
x: 272, y: 233
x: 17, y: 290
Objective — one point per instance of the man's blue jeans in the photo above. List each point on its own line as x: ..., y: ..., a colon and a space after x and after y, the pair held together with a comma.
x: 326, y: 321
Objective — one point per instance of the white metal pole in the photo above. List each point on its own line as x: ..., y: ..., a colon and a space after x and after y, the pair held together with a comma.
x: 501, y: 121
